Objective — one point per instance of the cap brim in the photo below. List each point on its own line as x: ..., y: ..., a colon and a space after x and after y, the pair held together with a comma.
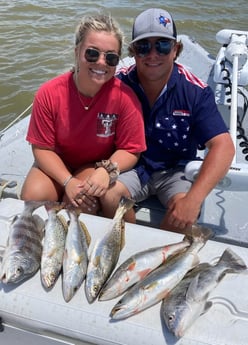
x: 152, y: 34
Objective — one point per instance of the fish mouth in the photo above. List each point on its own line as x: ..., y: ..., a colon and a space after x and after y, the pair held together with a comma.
x: 115, y: 310
x: 119, y: 312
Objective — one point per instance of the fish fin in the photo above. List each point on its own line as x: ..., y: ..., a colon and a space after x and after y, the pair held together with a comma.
x: 207, y: 306
x: 31, y: 205
x: 123, y: 240
x: 232, y: 261
x: 191, y: 293
x: 63, y: 221
x: 132, y: 266
x: 188, y: 237
x: 96, y: 261
x: 54, y: 205
x: 151, y: 285
x: 198, y: 233
x: 127, y: 202
x: 144, y: 273
x: 86, y: 232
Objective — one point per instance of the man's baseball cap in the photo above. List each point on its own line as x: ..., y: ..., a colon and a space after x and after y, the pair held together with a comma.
x: 154, y: 22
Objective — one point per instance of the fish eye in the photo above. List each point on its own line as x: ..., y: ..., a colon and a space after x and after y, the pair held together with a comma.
x: 19, y: 270
x: 171, y: 317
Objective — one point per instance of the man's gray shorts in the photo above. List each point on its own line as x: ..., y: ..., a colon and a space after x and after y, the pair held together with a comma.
x: 164, y: 184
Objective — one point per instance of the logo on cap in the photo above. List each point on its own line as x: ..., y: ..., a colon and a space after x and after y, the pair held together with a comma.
x: 164, y: 21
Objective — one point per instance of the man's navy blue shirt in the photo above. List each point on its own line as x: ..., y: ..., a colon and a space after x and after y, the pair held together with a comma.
x: 182, y: 120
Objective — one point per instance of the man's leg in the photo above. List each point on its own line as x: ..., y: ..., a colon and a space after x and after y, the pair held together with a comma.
x: 170, y: 187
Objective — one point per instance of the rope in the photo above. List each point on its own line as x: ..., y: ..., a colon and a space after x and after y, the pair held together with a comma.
x: 15, y: 120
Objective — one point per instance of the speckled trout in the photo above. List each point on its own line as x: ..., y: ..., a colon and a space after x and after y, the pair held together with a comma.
x: 154, y: 287
x: 22, y: 255
x: 138, y: 266
x: 106, y: 251
x: 75, y: 259
x: 189, y: 299
x: 53, y: 244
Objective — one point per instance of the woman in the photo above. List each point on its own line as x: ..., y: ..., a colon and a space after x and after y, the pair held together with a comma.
x: 86, y: 125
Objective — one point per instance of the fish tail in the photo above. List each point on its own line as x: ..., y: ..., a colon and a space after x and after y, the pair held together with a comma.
x: 123, y: 240
x: 86, y: 232
x: 63, y: 221
x: 54, y: 205
x: 198, y: 234
x: 125, y: 204
x: 31, y: 205
x: 232, y: 261
x: 72, y: 209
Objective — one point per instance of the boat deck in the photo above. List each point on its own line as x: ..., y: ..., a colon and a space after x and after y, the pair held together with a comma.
x: 30, y: 312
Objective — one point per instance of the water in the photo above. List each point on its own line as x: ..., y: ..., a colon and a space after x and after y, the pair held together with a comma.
x: 37, y: 37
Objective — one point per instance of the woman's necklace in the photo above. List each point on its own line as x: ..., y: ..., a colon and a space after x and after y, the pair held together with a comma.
x: 86, y: 107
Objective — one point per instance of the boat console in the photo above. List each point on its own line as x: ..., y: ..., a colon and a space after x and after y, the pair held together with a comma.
x: 230, y: 76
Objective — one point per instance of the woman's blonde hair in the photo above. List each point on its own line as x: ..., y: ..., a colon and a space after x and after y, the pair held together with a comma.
x: 98, y: 22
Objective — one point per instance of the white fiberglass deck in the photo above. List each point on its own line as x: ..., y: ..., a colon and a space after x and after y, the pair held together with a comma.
x: 30, y: 307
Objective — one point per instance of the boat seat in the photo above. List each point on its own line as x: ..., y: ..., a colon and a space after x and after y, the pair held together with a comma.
x: 149, y: 212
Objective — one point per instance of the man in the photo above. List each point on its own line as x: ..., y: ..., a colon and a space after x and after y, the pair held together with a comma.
x: 180, y: 116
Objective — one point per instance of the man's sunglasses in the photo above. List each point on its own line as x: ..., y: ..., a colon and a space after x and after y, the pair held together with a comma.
x: 144, y: 47
x: 92, y: 55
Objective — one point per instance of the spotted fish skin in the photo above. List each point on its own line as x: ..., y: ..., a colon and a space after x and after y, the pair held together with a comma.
x: 106, y: 251
x: 22, y: 255
x: 53, y: 245
x: 75, y: 260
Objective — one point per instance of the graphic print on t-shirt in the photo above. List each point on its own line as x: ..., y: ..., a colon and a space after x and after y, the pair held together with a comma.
x: 106, y: 124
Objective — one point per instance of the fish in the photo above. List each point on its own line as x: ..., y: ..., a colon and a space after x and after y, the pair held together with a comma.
x: 189, y: 299
x: 75, y: 259
x: 106, y: 251
x: 138, y: 266
x: 22, y: 256
x: 53, y: 244
x: 157, y: 284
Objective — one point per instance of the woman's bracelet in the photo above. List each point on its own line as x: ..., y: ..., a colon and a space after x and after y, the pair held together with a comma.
x: 111, y: 168
x: 67, y: 180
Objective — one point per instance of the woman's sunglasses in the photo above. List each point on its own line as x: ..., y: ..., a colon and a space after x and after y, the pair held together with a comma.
x: 92, y: 55
x: 144, y: 47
